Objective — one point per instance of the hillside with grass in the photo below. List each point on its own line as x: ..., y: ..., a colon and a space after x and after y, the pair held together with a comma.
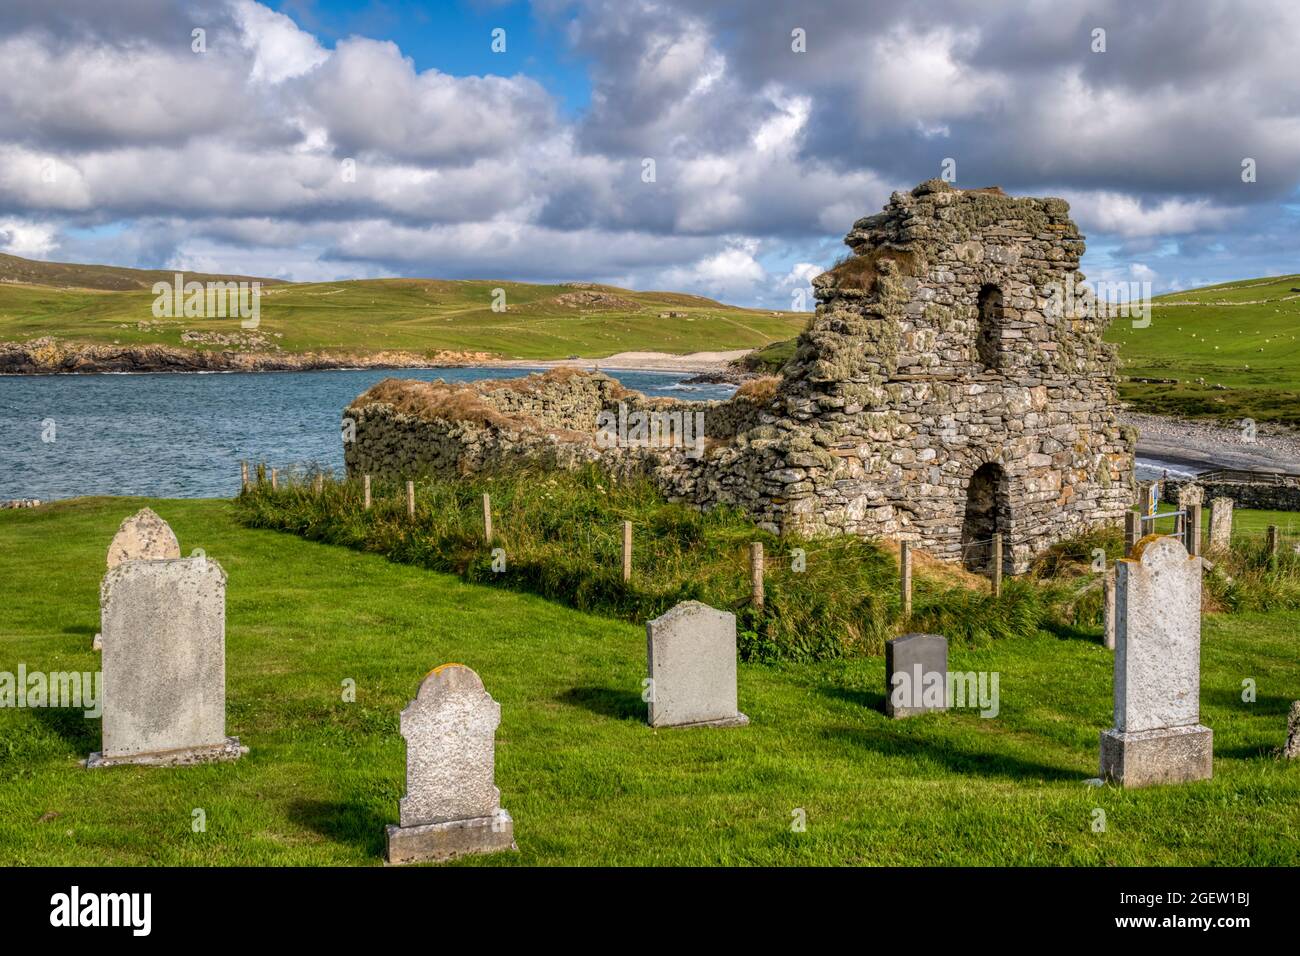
x: 1225, y: 351
x: 106, y: 306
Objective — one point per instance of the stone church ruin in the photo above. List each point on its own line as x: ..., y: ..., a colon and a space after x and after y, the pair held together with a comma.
x: 939, y: 395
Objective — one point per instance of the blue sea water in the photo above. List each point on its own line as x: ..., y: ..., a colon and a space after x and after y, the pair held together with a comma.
x: 183, y: 435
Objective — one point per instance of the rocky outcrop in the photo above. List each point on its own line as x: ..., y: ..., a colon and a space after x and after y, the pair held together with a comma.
x: 949, y: 388
x: 47, y: 356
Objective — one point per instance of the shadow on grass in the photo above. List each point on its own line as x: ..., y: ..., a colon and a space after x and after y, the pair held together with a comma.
x: 87, y: 629
x: 1251, y: 752
x: 1072, y: 632
x: 73, y: 726
x: 352, y: 822
x: 870, y: 699
x: 1262, y: 707
x: 606, y: 701
x: 981, y: 763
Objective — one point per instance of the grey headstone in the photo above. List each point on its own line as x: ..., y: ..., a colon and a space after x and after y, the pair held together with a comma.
x: 164, y: 664
x: 1220, y: 524
x: 452, y: 805
x: 143, y: 536
x: 1157, y: 736
x: 691, y: 658
x: 916, y: 674
x: 1292, y: 749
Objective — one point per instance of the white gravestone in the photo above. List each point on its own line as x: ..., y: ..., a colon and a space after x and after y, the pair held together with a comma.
x: 164, y: 664
x: 691, y: 657
x: 452, y: 805
x: 1157, y: 737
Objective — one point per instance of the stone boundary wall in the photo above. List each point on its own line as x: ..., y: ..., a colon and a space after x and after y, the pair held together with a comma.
x: 1246, y: 494
x: 544, y: 420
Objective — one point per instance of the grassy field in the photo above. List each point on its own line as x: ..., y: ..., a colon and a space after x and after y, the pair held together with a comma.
x: 586, y: 781
x: 1241, y: 335
x: 415, y: 315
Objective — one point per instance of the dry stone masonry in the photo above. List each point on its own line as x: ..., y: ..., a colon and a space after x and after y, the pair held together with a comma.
x: 944, y: 391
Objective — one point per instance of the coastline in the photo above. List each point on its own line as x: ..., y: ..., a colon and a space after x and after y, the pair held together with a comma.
x: 50, y: 357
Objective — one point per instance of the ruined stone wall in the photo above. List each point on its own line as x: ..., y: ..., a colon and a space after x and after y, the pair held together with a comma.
x: 899, y: 394
x: 941, y: 393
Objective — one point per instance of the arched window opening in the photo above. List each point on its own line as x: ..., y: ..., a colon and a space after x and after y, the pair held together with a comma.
x: 989, y: 338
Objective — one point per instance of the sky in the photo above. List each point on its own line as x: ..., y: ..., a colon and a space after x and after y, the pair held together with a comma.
x: 720, y: 147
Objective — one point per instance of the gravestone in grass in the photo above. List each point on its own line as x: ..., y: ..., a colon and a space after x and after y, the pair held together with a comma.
x: 691, y: 657
x: 916, y: 674
x: 452, y: 806
x: 1157, y: 737
x: 142, y: 537
x: 1220, y: 524
x: 1291, y: 750
x: 164, y: 664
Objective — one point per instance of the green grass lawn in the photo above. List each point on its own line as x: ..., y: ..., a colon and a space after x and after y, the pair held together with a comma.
x: 1243, y: 335
x: 586, y: 781
x: 416, y: 315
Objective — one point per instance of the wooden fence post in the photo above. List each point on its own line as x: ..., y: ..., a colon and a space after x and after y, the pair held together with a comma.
x: 365, y: 490
x: 905, y: 576
x: 1132, y: 531
x: 1272, y: 544
x: 756, y: 574
x: 275, y: 473
x: 627, y: 551
x: 410, y: 500
x: 487, y: 517
x: 319, y: 484
x: 1192, y: 528
x: 243, y: 476
x: 997, y: 565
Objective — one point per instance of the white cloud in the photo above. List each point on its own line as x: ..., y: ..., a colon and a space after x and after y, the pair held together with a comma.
x: 280, y: 50
x: 33, y: 240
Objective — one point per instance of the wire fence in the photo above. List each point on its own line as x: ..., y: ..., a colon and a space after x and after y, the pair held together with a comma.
x: 985, y: 556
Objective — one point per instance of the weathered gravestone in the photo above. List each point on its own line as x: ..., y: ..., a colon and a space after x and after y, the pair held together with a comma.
x: 1190, y: 494
x: 1292, y: 749
x: 1157, y: 737
x: 164, y: 664
x: 142, y: 537
x: 916, y: 674
x: 691, y: 657
x: 452, y: 807
x: 1220, y: 524
x: 1108, y: 609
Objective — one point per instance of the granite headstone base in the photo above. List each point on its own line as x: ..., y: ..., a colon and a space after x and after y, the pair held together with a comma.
x: 1146, y: 758
x: 434, y: 842
x: 739, y: 720
x: 186, y: 756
